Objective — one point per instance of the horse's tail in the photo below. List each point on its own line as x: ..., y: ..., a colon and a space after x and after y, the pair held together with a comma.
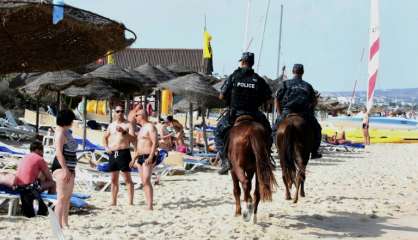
x: 264, y: 167
x: 289, y: 159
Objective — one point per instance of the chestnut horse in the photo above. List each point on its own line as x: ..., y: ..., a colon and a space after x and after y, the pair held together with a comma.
x: 249, y: 154
x: 294, y: 143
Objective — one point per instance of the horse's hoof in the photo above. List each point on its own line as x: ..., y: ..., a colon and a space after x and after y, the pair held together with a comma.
x: 288, y: 198
x: 237, y: 214
x: 295, y: 201
x: 247, y: 213
x: 255, y: 219
x: 302, y: 194
x: 246, y: 216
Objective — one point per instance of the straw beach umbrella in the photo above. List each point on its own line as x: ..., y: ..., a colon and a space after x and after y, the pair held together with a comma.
x: 53, y: 81
x: 166, y: 71
x: 196, y: 89
x: 31, y: 42
x: 153, y: 73
x: 179, y: 70
x: 218, y: 85
x: 120, y: 79
x: 94, y: 90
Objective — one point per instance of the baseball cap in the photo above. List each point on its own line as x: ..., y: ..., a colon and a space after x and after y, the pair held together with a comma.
x: 247, y: 57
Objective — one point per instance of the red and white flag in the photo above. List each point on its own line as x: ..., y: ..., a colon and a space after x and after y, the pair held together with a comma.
x: 374, y: 51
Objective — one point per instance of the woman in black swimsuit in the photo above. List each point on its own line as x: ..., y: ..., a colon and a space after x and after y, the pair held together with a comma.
x: 63, y: 167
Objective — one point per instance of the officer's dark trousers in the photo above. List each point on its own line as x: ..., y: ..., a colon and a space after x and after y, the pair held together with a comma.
x: 226, y: 123
x: 313, y: 123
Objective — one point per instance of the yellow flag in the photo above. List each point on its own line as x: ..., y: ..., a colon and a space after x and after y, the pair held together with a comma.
x: 207, y: 49
x: 110, y: 59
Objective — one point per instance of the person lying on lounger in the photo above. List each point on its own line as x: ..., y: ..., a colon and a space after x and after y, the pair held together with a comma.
x: 338, y: 138
x: 31, y: 169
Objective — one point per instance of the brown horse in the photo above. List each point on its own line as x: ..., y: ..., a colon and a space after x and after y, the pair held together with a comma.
x: 294, y: 142
x: 249, y: 155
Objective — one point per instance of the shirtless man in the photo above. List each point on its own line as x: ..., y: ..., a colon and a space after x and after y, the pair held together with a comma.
x: 145, y: 154
x: 117, y: 139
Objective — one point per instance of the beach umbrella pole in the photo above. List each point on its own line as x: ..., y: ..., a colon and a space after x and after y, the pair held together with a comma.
x: 157, y: 103
x: 110, y: 111
x: 191, y: 127
x: 126, y: 108
x: 205, y: 139
x: 84, y: 121
x: 37, y: 115
x: 58, y: 100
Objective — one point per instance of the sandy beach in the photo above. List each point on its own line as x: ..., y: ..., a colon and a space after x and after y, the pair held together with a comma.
x: 367, y: 195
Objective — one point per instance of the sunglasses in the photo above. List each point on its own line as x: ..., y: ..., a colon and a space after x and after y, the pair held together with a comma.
x: 119, y: 111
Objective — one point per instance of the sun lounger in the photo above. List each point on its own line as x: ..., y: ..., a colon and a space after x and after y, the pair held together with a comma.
x: 10, y: 128
x: 12, y: 200
x: 346, y: 147
x: 194, y: 163
x: 77, y: 200
x: 92, y: 150
x: 87, y: 178
x: 7, y: 151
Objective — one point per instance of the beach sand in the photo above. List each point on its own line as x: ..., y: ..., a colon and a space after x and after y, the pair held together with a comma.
x: 367, y: 195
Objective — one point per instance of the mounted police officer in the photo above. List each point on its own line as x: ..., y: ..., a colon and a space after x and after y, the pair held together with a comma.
x: 298, y: 96
x: 244, y: 92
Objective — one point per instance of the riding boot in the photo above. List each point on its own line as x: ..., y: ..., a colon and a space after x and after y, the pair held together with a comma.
x: 317, y: 138
x: 225, y: 165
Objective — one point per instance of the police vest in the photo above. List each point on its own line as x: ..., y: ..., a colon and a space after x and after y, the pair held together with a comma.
x: 244, y: 93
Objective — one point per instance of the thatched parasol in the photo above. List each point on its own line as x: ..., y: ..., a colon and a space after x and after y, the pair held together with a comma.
x: 274, y: 84
x: 21, y: 79
x: 166, y: 71
x: 327, y: 104
x: 195, y: 88
x: 30, y: 42
x: 144, y: 80
x: 94, y: 90
x: 179, y: 69
x: 120, y: 79
x: 218, y: 85
x: 53, y: 81
x: 152, y: 73
x: 183, y: 106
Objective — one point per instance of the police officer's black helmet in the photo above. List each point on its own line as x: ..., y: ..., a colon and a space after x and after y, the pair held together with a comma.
x: 298, y: 69
x: 247, y: 57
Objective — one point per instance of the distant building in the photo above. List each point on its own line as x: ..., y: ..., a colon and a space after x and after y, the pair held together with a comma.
x: 131, y: 58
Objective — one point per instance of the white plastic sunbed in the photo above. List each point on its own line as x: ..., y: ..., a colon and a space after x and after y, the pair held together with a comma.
x: 14, y: 131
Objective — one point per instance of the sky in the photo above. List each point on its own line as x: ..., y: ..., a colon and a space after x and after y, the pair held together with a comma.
x: 327, y: 36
